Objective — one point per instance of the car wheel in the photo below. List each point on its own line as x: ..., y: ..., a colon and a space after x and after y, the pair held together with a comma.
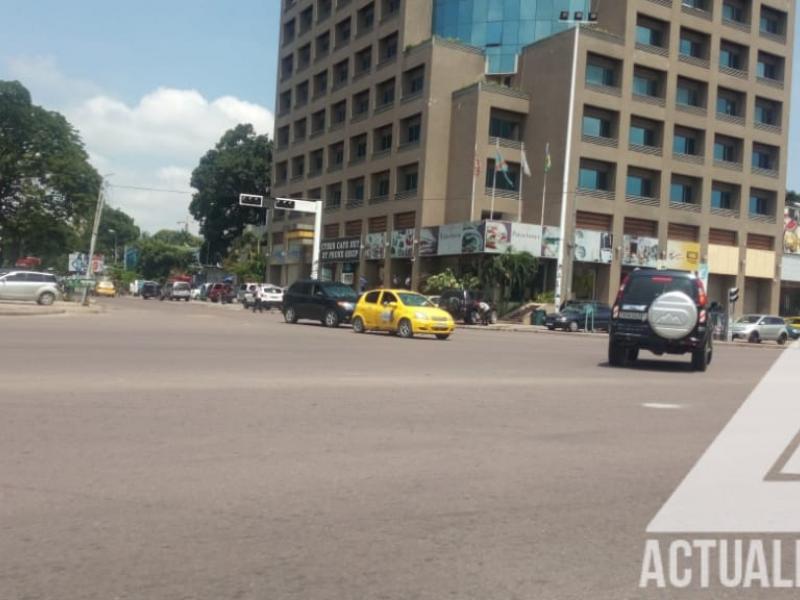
x: 46, y: 298
x: 754, y: 338
x: 442, y: 336
x: 782, y: 339
x: 551, y: 327
x: 573, y: 326
x: 617, y: 354
x: 331, y: 319
x: 404, y: 329
x: 290, y: 316
x: 358, y: 325
x: 701, y: 358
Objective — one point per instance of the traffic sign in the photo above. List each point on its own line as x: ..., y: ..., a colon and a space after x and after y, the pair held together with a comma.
x: 733, y: 295
x: 251, y: 200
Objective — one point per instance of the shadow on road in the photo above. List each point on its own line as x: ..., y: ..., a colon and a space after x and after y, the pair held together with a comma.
x: 660, y: 366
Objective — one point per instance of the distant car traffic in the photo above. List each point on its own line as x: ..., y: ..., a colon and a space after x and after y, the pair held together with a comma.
x: 105, y: 288
x: 464, y: 305
x: 329, y: 302
x: 271, y: 295
x: 222, y: 293
x: 243, y: 289
x: 176, y: 290
x: 150, y: 289
x: 665, y: 312
x: 31, y: 286
x: 577, y: 315
x: 402, y: 312
x: 760, y: 328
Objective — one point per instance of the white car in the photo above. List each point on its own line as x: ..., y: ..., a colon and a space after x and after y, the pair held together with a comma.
x: 271, y: 295
x: 29, y: 285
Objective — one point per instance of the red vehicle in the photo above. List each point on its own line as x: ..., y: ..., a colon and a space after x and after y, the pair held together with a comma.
x: 221, y: 292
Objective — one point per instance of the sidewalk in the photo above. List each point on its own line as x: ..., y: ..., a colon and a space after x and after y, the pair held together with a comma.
x: 31, y: 309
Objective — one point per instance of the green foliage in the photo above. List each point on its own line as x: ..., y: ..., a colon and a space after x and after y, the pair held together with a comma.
x: 545, y: 297
x: 117, y: 223
x: 245, y: 259
x: 792, y: 197
x: 47, y: 186
x: 159, y: 259
x: 436, y: 284
x: 240, y: 163
x: 179, y: 237
x: 512, y: 274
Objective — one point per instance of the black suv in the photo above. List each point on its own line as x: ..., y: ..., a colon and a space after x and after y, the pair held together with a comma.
x: 665, y: 312
x: 150, y: 289
x: 580, y: 314
x: 329, y: 302
x: 464, y: 305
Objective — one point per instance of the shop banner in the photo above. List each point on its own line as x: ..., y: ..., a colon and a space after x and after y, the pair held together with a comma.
x: 496, y: 236
x: 340, y: 250
x: 375, y: 246
x: 429, y: 241
x: 78, y: 260
x: 791, y: 230
x: 450, y: 238
x: 402, y: 245
x: 472, y: 238
x: 526, y: 237
x: 639, y: 251
x: 551, y: 239
x: 683, y: 255
x: 592, y: 246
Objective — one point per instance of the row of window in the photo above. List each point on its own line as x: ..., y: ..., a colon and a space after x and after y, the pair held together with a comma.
x: 365, y: 17
x: 412, y: 83
x: 354, y: 191
x: 603, y: 124
x: 683, y: 189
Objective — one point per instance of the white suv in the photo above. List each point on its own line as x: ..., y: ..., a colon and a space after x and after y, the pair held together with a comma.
x: 271, y: 295
x: 30, y: 286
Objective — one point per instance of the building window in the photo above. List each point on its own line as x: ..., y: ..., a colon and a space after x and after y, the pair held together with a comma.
x: 690, y: 47
x: 684, y: 144
x: 759, y: 205
x: 764, y: 157
x: 690, y: 93
x: 733, y: 12
x: 772, y: 21
x: 508, y: 181
x: 410, y: 181
x: 505, y: 125
x: 767, y: 112
x: 731, y: 56
x: 596, y: 126
x: 724, y: 151
x: 594, y: 176
x: 646, y: 83
x: 681, y: 193
x: 770, y: 67
x: 722, y: 199
x: 640, y: 186
x: 727, y: 106
x: 599, y: 75
x: 643, y: 135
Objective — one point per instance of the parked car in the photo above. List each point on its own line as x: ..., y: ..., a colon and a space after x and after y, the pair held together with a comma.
x: 29, y: 286
x: 181, y: 291
x: 271, y: 295
x: 793, y: 327
x: 222, y: 293
x: 150, y: 289
x: 242, y: 290
x: 329, y: 302
x: 463, y: 305
x: 105, y: 288
x: 402, y: 312
x: 577, y: 315
x: 202, y: 291
x: 434, y: 300
x: 665, y: 312
x: 759, y: 328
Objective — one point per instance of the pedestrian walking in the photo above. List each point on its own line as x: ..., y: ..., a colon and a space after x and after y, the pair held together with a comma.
x: 258, y: 304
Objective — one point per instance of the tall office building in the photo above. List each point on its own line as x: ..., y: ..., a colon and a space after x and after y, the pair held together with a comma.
x: 666, y: 124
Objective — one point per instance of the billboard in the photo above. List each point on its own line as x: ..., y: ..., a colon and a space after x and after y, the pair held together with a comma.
x: 340, y: 250
x: 402, y: 243
x: 375, y: 246
x: 639, y: 251
x: 526, y: 237
x: 429, y: 241
x: 77, y: 262
x: 496, y: 237
x: 593, y: 246
x: 791, y: 230
x: 683, y: 255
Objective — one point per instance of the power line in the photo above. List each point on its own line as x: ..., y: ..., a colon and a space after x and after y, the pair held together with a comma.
x: 148, y: 189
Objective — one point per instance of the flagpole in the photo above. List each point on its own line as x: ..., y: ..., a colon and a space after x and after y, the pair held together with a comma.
x: 494, y: 175
x: 521, y: 180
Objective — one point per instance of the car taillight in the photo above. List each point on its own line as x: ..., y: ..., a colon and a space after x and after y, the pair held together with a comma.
x: 621, y: 289
x: 615, y: 312
x: 702, y: 299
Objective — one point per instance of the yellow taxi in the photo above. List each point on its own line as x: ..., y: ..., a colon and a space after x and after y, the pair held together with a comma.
x: 105, y: 288
x: 402, y: 312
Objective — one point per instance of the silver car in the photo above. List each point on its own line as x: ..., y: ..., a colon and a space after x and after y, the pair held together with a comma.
x: 758, y: 328
x: 30, y: 286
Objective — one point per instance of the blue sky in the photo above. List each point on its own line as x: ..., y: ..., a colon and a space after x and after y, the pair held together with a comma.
x: 151, y: 85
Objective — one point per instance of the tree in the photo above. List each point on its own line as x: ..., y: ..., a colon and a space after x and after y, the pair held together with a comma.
x: 792, y: 197
x: 245, y: 260
x: 512, y: 273
x: 239, y: 163
x: 48, y: 188
x: 179, y: 237
x: 436, y: 284
x: 159, y: 259
x: 115, y: 227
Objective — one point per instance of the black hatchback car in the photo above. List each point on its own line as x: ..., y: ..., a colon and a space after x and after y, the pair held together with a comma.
x: 328, y: 302
x: 665, y: 312
x: 464, y: 305
x: 580, y: 314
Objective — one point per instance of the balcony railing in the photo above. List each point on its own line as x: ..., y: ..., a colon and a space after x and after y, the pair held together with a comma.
x: 656, y: 100
x: 599, y: 194
x: 687, y: 206
x: 741, y: 26
x: 600, y: 141
x: 498, y: 193
x: 354, y: 203
x: 767, y: 127
x: 651, y: 150
x: 643, y: 200
x: 609, y: 90
x: 408, y: 146
x: 758, y: 218
x: 738, y: 73
x: 696, y: 12
x: 694, y: 60
x: 765, y: 172
x: 726, y: 164
x: 775, y: 83
x: 694, y: 159
x: 379, y: 199
x: 725, y: 212
x: 378, y: 154
x: 690, y: 108
x: 735, y: 119
x: 775, y: 37
x: 505, y: 142
x: 652, y: 49
x: 405, y: 195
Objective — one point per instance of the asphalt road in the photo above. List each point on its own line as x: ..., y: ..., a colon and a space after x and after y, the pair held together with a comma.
x: 173, y: 451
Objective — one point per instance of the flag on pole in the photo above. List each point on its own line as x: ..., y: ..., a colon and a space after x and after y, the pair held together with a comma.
x: 525, y: 168
x: 501, y: 166
x: 547, y: 162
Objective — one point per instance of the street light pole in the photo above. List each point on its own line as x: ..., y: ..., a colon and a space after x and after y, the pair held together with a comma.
x: 114, y: 231
x: 98, y: 213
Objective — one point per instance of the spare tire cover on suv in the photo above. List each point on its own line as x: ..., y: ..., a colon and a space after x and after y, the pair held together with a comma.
x: 672, y: 315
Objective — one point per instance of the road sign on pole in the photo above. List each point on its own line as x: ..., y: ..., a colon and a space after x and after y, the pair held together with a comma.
x: 251, y: 200
x: 733, y: 296
x: 306, y: 206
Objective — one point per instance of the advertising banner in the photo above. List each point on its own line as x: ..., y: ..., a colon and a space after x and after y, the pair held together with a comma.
x: 472, y: 238
x: 496, y: 236
x: 402, y: 244
x: 429, y: 241
x: 526, y: 237
x: 551, y: 238
x: 375, y: 246
x: 592, y: 246
x: 340, y: 250
x: 791, y: 230
x: 639, y: 251
x: 78, y: 260
x: 683, y: 255
x: 450, y: 238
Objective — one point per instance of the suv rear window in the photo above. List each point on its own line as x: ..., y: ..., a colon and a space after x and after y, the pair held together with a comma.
x: 338, y: 290
x: 643, y: 290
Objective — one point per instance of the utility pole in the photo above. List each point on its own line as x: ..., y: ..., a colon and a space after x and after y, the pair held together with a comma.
x: 98, y: 215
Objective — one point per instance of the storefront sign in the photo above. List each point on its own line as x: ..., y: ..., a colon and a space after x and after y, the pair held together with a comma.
x: 683, y: 255
x: 450, y: 238
x: 551, y: 240
x: 526, y: 237
x: 791, y: 230
x: 592, y: 246
x: 340, y: 250
x: 429, y: 241
x: 496, y: 236
x: 402, y: 245
x: 375, y: 246
x: 639, y: 251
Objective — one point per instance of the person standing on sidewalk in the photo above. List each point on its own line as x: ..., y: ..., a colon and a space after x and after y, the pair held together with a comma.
x: 258, y: 304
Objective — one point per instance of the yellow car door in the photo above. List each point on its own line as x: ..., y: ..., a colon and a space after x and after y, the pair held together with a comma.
x: 368, y: 309
x: 387, y: 312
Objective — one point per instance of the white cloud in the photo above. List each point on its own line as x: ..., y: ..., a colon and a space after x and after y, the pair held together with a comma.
x: 154, y: 143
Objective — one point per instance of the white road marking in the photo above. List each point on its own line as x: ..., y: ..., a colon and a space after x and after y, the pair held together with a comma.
x: 662, y: 406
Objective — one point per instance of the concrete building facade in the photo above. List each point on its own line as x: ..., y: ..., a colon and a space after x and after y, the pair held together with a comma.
x: 666, y: 124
